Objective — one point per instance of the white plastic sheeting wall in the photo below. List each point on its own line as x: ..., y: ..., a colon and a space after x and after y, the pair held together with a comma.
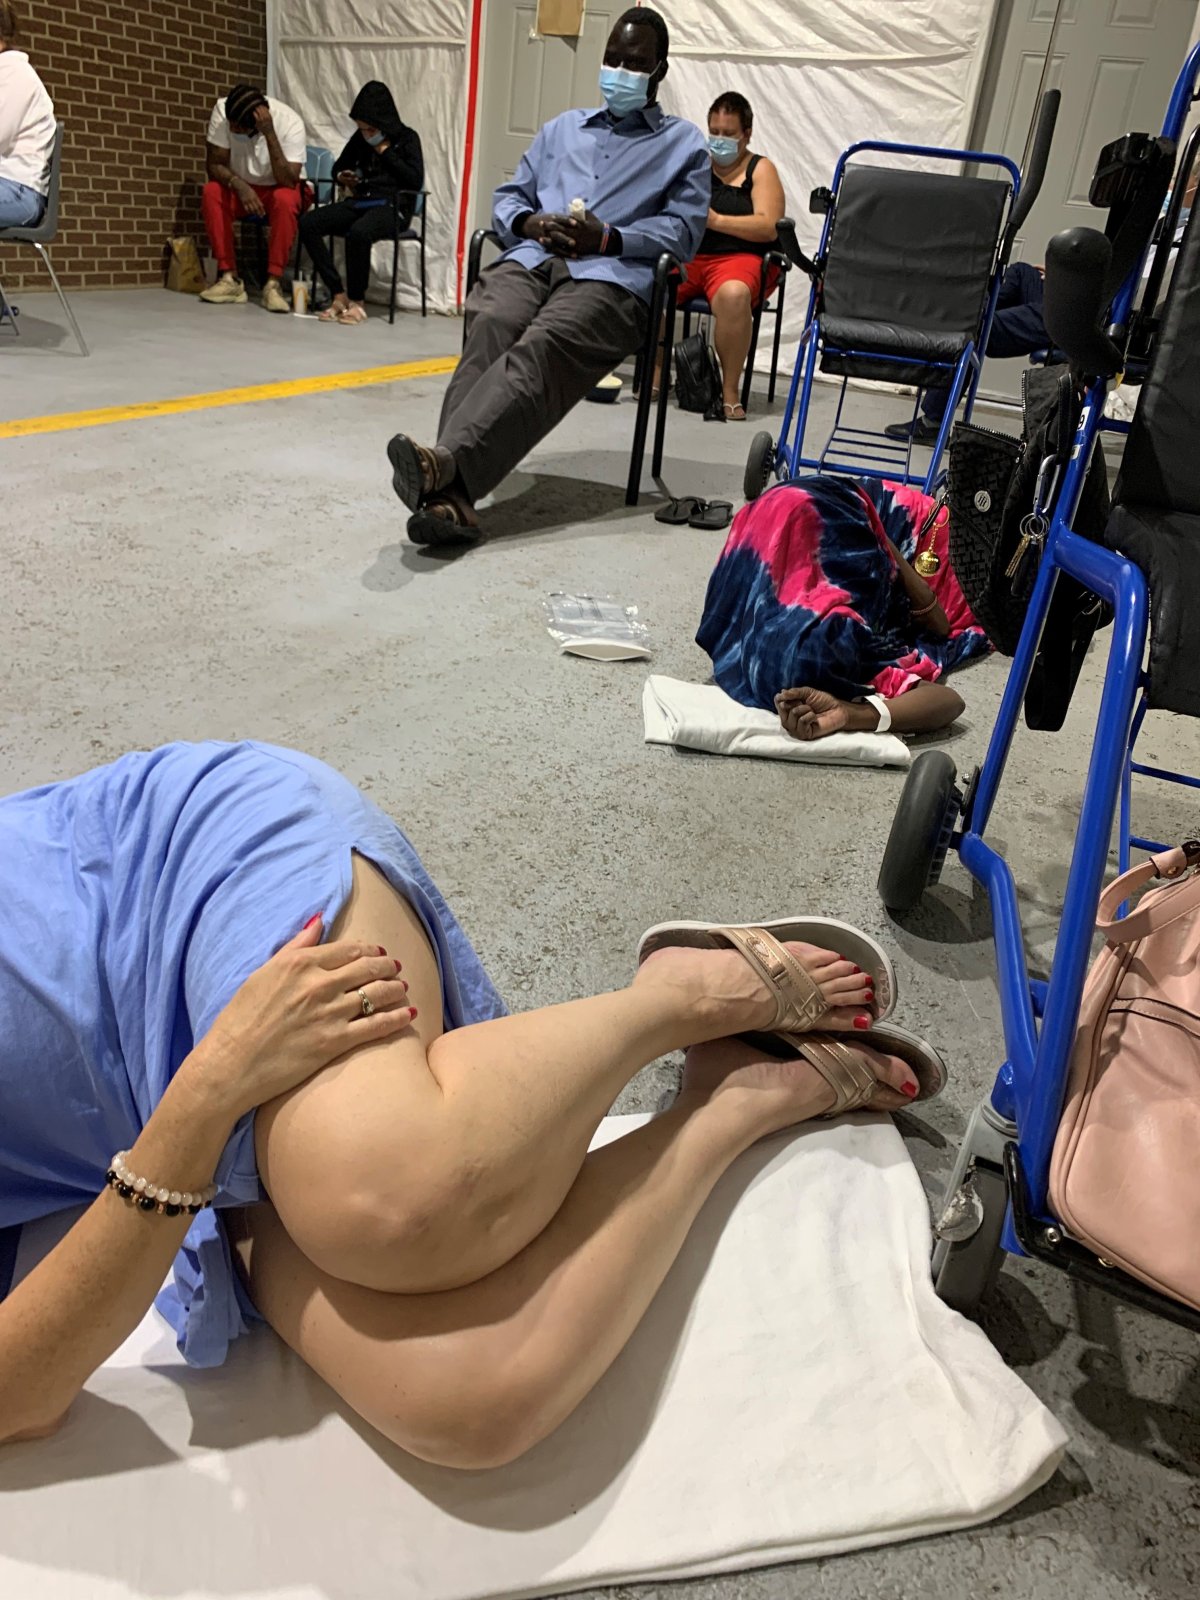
x: 822, y: 75
x: 321, y: 52
x: 819, y: 74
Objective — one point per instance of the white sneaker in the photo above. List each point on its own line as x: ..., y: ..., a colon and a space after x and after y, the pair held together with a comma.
x: 227, y: 291
x: 273, y: 298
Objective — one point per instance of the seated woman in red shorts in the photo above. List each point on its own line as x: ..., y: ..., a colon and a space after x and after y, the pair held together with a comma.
x: 747, y: 203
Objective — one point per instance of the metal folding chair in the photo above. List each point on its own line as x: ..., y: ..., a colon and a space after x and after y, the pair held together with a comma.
x: 45, y: 232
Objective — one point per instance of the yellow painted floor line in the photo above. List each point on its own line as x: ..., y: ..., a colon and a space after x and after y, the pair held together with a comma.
x: 286, y: 389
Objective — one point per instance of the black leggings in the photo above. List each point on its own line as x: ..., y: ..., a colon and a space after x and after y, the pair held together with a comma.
x: 360, y: 229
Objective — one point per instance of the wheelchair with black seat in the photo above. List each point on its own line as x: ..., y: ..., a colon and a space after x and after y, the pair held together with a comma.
x: 904, y: 289
x: 1102, y: 310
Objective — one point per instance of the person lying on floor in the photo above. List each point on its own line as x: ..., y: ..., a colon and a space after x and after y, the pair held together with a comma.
x: 816, y: 610
x: 438, y: 1244
x: 380, y: 171
x: 569, y: 298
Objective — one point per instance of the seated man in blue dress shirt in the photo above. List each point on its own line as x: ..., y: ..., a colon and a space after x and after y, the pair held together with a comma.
x: 569, y: 298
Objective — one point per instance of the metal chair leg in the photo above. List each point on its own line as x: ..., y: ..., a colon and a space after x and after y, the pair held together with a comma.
x: 778, y: 336
x: 748, y: 376
x: 45, y: 255
x: 660, y: 425
x: 7, y: 310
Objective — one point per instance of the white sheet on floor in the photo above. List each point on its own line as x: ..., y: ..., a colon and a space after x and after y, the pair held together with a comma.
x: 796, y: 1389
x: 699, y: 716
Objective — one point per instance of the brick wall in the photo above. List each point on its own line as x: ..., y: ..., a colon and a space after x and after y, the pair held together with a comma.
x: 134, y: 84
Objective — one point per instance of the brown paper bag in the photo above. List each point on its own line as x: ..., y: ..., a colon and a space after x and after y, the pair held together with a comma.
x: 560, y: 18
x: 184, y: 273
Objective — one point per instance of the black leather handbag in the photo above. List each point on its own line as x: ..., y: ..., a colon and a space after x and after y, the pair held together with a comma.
x: 1000, y: 498
x: 698, y: 377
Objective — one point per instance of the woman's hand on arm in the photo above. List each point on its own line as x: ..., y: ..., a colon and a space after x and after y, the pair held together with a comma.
x: 295, y: 1015
x: 924, y: 605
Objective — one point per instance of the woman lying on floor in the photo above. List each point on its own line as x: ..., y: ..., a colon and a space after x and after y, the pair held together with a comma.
x: 815, y: 610
x: 413, y: 1207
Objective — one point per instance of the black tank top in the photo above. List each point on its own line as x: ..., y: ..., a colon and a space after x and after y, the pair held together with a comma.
x: 733, y: 200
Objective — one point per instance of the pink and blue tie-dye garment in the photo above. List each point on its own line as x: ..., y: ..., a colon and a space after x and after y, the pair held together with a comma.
x: 806, y: 593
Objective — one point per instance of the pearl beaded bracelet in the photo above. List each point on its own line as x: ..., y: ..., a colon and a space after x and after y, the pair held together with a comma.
x: 155, y: 1197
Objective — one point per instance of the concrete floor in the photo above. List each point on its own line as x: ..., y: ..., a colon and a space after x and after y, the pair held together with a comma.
x: 244, y: 572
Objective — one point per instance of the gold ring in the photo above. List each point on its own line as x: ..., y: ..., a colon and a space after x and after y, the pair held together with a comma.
x: 368, y: 1008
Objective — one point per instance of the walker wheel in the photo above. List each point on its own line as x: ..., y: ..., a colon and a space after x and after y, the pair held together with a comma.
x: 921, y: 831
x: 965, y: 1271
x: 760, y: 463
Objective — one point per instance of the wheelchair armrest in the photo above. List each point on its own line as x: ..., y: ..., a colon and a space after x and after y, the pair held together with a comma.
x: 791, y: 246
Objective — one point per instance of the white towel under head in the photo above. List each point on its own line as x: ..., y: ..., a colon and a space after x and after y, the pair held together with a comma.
x: 699, y: 716
x: 796, y: 1389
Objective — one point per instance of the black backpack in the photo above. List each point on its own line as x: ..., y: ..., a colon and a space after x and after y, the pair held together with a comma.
x: 698, y: 377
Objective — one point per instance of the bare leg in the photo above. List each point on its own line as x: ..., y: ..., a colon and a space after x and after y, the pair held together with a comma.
x: 477, y: 1376
x: 426, y: 1163
x: 733, y: 315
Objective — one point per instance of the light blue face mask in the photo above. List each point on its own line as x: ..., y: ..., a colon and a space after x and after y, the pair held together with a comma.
x: 243, y: 138
x: 374, y: 139
x: 624, y: 91
x: 723, y: 149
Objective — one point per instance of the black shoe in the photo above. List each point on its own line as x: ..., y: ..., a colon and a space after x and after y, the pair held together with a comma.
x: 922, y: 431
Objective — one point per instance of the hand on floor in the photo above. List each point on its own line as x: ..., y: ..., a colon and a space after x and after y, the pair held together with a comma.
x: 809, y: 714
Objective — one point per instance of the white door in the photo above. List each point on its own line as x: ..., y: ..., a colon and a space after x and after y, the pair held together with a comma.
x: 528, y: 80
x: 1115, y: 62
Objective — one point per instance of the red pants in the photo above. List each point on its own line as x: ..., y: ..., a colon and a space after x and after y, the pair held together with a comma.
x: 222, y: 208
x: 706, y: 274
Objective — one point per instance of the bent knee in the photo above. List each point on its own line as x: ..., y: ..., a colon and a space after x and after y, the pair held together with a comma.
x: 732, y: 297
x: 470, y: 1426
x: 285, y: 200
x: 422, y: 1236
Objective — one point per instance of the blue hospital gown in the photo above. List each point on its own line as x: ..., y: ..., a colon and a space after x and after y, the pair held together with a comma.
x: 136, y: 898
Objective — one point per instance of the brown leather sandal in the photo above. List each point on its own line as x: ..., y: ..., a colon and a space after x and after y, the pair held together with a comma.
x: 445, y: 519
x: 798, y: 1001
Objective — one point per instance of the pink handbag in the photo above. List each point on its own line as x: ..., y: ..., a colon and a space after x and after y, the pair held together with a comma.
x: 1125, y: 1175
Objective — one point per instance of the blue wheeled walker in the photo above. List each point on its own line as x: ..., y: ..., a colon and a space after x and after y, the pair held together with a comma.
x: 1148, y: 563
x: 904, y: 289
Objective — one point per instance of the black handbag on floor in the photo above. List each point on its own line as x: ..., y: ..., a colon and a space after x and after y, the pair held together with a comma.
x: 1000, y: 497
x: 698, y: 377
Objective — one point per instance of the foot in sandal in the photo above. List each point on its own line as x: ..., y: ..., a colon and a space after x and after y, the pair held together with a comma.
x: 720, y: 992
x: 333, y: 311
x: 778, y: 1094
x: 805, y: 972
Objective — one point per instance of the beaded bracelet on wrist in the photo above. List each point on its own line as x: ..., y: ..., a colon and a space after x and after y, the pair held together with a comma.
x: 156, y: 1197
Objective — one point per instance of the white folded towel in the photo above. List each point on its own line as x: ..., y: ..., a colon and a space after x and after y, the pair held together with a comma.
x: 699, y: 716
x: 795, y: 1389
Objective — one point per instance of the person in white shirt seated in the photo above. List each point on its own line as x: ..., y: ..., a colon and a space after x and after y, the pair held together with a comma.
x: 256, y: 150
x: 27, y: 130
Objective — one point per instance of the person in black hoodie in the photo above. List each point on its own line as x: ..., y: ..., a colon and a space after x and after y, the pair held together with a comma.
x: 381, y: 164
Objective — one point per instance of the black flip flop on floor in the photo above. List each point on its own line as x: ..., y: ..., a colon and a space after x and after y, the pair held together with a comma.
x: 676, y: 512
x: 407, y: 478
x: 713, y: 515
x: 426, y: 527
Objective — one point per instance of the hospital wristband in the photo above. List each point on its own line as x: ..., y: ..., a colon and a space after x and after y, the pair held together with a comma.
x: 155, y: 1197
x: 884, y: 710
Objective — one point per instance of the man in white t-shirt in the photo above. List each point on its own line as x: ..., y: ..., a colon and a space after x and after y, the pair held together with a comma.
x: 26, y: 132
x: 256, y: 151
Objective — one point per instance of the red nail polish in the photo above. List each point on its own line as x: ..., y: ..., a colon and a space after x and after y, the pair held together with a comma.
x: 910, y: 1089
x: 862, y: 1022
x: 311, y: 920
x: 381, y: 950
x: 399, y: 968
x: 413, y: 1014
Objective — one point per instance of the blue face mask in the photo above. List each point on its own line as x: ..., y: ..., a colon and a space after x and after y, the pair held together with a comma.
x: 374, y: 139
x: 624, y: 91
x: 723, y: 150
x: 243, y: 138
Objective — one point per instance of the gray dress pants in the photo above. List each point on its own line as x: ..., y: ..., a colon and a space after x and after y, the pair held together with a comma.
x: 536, y: 343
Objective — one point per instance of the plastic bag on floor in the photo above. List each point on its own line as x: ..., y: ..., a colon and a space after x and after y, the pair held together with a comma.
x: 596, y: 626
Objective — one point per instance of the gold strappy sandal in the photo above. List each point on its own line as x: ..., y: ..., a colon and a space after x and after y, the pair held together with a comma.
x: 849, y: 1073
x: 799, y: 1004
